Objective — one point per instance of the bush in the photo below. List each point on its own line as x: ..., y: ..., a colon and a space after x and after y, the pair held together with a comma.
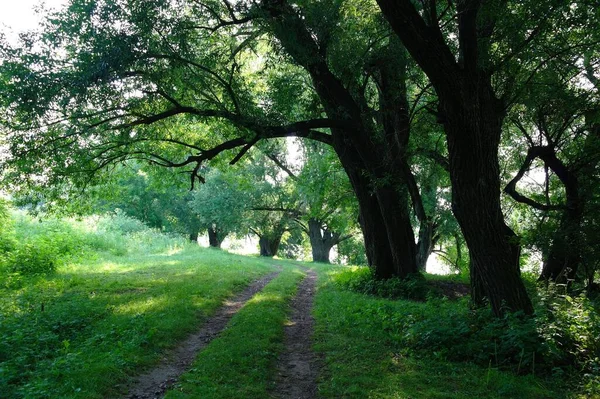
x: 32, y: 259
x: 7, y: 238
x: 362, y: 280
x: 562, y: 339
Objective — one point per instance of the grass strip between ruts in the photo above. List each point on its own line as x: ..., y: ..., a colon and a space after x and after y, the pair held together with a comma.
x: 240, y: 363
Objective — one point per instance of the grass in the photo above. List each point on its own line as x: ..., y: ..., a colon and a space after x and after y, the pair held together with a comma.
x: 80, y: 331
x: 360, y: 340
x: 240, y: 363
x: 85, y: 330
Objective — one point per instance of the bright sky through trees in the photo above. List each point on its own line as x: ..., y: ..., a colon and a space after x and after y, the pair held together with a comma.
x: 20, y: 15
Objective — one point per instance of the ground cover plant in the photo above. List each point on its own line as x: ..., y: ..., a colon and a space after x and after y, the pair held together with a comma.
x: 376, y: 347
x: 78, y: 331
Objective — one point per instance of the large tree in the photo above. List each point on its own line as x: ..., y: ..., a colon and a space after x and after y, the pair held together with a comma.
x: 476, y: 55
x: 117, y: 79
x: 142, y: 75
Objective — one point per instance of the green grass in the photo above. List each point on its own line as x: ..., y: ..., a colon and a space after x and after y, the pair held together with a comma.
x: 360, y: 339
x: 240, y: 362
x: 79, y: 332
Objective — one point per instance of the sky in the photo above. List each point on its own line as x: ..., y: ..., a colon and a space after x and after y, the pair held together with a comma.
x: 19, y: 15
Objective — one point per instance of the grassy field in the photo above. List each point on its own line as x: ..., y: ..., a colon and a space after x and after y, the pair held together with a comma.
x: 115, y: 302
x: 81, y: 331
x: 358, y: 337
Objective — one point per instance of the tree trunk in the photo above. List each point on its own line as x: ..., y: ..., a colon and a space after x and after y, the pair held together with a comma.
x: 269, y: 245
x: 321, y: 240
x: 564, y: 256
x: 425, y: 244
x: 215, y: 237
x: 473, y: 128
x: 379, y: 249
x: 472, y: 118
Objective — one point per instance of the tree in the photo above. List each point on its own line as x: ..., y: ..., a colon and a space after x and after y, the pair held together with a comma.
x: 143, y: 78
x: 132, y: 99
x: 221, y: 205
x: 328, y: 206
x: 473, y: 54
x: 559, y: 129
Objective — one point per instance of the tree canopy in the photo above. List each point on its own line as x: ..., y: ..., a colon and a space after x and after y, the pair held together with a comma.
x: 427, y: 106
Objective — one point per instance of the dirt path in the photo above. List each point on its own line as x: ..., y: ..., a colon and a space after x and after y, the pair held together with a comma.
x: 157, y: 381
x: 297, y: 369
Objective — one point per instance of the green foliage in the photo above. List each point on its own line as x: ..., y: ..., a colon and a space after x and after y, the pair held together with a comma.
x: 7, y: 239
x: 352, y: 251
x: 31, y: 259
x: 563, y: 339
x: 363, y: 280
x: 379, y: 348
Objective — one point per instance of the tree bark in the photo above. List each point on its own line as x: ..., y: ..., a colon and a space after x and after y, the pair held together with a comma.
x: 425, y: 244
x: 473, y: 128
x: 215, y: 236
x: 269, y: 245
x: 472, y: 118
x: 321, y: 241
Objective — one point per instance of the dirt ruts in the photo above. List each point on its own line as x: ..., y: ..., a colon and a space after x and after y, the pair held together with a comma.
x: 297, y: 367
x: 157, y: 381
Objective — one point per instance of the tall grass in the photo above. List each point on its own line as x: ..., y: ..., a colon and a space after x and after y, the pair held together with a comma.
x: 38, y: 245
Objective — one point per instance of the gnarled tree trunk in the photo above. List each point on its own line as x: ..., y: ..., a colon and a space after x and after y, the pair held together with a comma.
x: 472, y: 118
x: 269, y: 245
x: 321, y: 241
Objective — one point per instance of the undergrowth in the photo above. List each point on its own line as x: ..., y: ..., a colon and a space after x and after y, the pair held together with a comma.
x: 561, y: 342
x: 36, y: 246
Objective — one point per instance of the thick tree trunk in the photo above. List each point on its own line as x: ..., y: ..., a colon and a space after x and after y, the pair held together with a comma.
x: 269, y: 245
x: 473, y: 129
x: 564, y: 257
x: 472, y: 118
x: 321, y: 241
x: 477, y: 288
x: 387, y: 258
x: 215, y: 237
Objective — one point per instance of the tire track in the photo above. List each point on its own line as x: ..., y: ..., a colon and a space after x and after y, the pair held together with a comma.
x: 297, y: 368
x: 154, y: 383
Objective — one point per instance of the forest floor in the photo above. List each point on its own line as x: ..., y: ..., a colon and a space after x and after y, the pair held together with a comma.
x: 214, y: 325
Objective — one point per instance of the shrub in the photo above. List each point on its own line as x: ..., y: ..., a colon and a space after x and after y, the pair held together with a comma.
x: 32, y: 259
x: 562, y: 339
x: 362, y: 280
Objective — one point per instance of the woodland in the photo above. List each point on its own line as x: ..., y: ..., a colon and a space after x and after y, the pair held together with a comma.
x: 357, y: 142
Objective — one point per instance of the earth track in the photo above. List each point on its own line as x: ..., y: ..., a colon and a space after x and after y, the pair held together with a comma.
x: 154, y: 383
x: 298, y: 365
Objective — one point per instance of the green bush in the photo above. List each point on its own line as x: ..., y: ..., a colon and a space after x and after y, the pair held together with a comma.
x: 7, y: 238
x: 362, y: 280
x: 32, y: 259
x: 563, y: 338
